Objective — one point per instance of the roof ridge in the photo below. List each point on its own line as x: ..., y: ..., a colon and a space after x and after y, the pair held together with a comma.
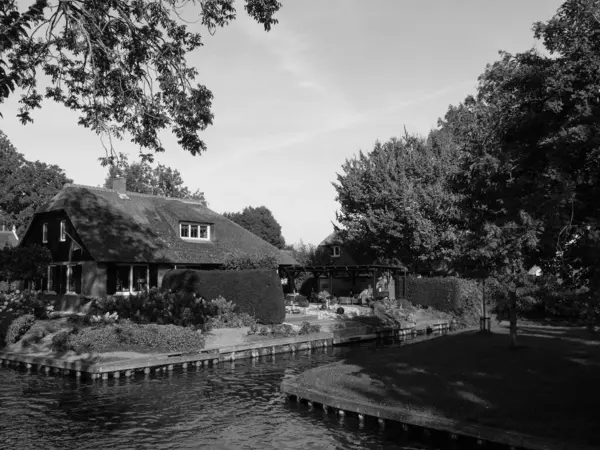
x: 139, y: 194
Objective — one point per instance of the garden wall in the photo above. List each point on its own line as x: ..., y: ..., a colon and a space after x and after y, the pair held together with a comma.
x: 256, y: 292
x: 459, y: 296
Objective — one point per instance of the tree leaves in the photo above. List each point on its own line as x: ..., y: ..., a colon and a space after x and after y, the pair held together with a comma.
x: 121, y: 64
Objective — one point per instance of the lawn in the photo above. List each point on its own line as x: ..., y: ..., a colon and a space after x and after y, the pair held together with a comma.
x: 549, y: 387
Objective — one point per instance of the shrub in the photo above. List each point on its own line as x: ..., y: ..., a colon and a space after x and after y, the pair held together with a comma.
x: 251, y: 262
x: 282, y: 330
x: 130, y: 335
x: 19, y: 327
x: 302, y: 301
x: 339, y: 310
x: 60, y: 342
x: 308, y: 328
x: 23, y: 302
x: 254, y: 292
x: 390, y: 313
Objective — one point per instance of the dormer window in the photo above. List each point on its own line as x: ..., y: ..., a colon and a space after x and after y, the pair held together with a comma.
x: 335, y: 251
x: 194, y: 231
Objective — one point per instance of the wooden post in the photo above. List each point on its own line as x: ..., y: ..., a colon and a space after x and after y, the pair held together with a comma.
x: 513, y: 317
x: 330, y: 283
x: 374, y: 285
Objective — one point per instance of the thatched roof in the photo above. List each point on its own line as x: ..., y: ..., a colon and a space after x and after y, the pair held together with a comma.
x: 145, y: 228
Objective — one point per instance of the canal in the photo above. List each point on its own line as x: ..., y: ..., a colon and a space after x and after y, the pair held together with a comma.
x: 233, y: 406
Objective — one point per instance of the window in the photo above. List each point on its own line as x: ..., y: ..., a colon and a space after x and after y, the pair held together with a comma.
x: 194, y: 231
x: 45, y: 233
x: 132, y: 278
x: 63, y: 230
x: 185, y: 230
x: 335, y: 251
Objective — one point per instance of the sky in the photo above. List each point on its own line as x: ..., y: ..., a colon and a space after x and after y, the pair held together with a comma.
x: 293, y: 104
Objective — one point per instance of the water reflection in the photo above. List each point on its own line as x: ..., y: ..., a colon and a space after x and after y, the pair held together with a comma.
x: 235, y: 405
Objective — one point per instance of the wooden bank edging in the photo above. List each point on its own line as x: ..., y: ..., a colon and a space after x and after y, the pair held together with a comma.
x: 205, y: 358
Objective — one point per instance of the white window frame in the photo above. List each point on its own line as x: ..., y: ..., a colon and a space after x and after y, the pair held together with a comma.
x: 199, y: 226
x: 45, y: 233
x: 131, y: 284
x: 336, y: 251
x: 63, y: 230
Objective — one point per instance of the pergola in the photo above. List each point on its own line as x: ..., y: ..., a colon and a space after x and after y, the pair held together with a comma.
x: 352, y: 271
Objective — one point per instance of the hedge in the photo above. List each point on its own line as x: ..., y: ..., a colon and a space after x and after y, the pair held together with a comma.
x: 460, y: 297
x: 256, y: 292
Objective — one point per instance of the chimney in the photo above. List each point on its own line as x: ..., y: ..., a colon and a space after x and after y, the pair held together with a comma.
x: 120, y: 185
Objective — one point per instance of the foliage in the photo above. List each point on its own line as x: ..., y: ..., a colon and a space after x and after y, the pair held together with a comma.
x: 339, y: 310
x: 24, y: 185
x: 396, y: 202
x: 302, y: 301
x: 283, y: 330
x: 305, y: 254
x: 128, y: 335
x: 161, y: 180
x: 60, y: 342
x: 308, y: 328
x: 259, y: 221
x: 222, y: 314
x: 19, y: 327
x: 250, y: 262
x: 24, y: 302
x: 120, y: 64
x: 27, y: 263
x: 255, y: 292
x: 389, y: 312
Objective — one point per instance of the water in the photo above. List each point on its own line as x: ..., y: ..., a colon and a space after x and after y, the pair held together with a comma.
x: 234, y: 406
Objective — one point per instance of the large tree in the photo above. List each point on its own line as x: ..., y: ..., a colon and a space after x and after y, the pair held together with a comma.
x: 25, y: 185
x: 396, y: 200
x: 121, y: 64
x: 260, y: 221
x: 144, y: 178
x: 531, y: 161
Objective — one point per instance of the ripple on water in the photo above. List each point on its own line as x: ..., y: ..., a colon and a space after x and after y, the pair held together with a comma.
x: 235, y: 406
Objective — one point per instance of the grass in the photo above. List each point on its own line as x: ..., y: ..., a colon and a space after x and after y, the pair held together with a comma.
x: 548, y: 387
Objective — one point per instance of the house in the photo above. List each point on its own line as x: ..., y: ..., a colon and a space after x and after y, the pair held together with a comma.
x: 114, y: 242
x: 8, y: 238
x: 345, y: 270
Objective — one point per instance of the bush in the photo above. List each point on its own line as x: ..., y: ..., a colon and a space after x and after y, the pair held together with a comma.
x: 222, y: 315
x: 60, y: 342
x: 251, y: 262
x: 390, y: 313
x: 254, y: 292
x: 19, y: 327
x: 128, y: 335
x: 302, y: 301
x: 23, y: 302
x: 340, y: 310
x: 308, y: 328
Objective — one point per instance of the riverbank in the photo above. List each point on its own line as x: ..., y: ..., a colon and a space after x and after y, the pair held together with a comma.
x: 545, y: 392
x: 220, y: 345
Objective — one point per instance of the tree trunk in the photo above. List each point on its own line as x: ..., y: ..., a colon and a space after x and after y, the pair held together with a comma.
x: 513, y: 317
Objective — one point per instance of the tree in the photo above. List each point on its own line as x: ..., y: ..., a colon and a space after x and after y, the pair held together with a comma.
x: 531, y: 161
x: 25, y: 185
x: 396, y: 201
x: 24, y: 263
x: 121, y: 64
x: 261, y: 222
x: 141, y: 177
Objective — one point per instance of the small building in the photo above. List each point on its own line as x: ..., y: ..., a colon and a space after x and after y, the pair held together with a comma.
x: 345, y: 270
x: 114, y: 242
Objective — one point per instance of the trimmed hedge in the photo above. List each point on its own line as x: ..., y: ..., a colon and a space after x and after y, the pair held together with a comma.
x: 460, y: 297
x: 255, y: 292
